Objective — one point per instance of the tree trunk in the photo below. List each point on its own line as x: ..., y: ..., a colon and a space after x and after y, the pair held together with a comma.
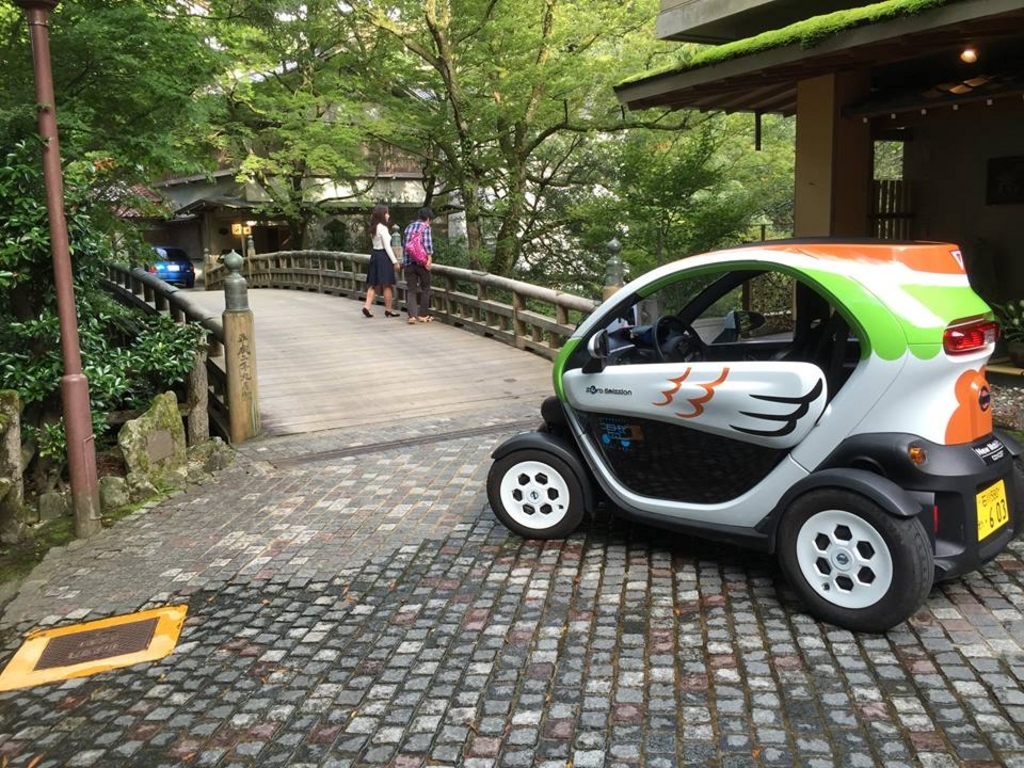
x: 474, y: 231
x: 297, y: 229
x: 506, y: 250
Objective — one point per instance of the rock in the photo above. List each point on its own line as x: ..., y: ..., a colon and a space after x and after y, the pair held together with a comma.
x: 141, y: 490
x: 214, y: 455
x: 113, y: 493
x: 196, y: 475
x: 53, y: 505
x: 12, y: 501
x: 154, y: 446
x: 176, y: 478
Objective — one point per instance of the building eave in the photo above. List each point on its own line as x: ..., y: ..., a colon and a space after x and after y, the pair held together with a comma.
x: 765, y: 81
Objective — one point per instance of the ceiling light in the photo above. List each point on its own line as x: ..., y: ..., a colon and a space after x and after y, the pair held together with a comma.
x: 969, y: 55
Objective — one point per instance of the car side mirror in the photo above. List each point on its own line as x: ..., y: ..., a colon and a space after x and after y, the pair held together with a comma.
x: 599, y: 351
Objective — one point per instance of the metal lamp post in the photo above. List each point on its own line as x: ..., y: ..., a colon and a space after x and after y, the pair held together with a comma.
x: 74, y: 388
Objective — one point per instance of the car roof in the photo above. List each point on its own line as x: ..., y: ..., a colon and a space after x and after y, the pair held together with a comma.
x: 936, y: 258
x: 896, y: 293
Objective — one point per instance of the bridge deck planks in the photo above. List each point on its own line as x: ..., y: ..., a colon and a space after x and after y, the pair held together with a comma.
x: 322, y: 365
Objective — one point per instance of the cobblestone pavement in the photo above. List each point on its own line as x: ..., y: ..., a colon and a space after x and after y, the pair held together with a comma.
x: 353, y: 601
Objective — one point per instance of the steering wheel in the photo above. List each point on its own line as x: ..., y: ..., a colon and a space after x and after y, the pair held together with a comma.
x: 675, y: 341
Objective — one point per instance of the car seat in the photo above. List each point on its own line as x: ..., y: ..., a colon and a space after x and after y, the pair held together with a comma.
x: 812, y: 314
x: 820, y: 336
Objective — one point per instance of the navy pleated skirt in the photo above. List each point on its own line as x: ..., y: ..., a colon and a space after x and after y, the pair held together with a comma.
x: 382, y: 271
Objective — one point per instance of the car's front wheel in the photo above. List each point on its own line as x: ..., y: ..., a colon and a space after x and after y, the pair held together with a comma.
x: 535, y: 494
x: 854, y: 564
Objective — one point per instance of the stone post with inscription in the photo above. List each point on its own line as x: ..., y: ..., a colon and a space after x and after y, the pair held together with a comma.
x: 240, y: 354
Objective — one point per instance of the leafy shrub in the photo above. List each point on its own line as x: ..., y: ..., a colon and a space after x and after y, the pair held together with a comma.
x: 1011, y: 320
x: 125, y: 370
x: 127, y: 357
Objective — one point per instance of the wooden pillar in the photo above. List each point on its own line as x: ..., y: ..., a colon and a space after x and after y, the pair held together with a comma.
x: 518, y: 324
x: 833, y: 158
x: 614, y: 271
x: 240, y: 355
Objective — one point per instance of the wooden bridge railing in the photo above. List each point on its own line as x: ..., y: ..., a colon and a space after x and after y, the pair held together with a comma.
x: 520, y: 314
x: 208, y: 385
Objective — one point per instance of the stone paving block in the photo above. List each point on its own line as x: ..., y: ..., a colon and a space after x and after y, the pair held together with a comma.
x: 373, y: 612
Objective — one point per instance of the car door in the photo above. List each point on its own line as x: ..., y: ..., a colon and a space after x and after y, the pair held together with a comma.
x: 704, y: 427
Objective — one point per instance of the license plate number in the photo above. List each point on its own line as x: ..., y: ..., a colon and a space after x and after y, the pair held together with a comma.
x: 993, y: 511
x: 173, y: 268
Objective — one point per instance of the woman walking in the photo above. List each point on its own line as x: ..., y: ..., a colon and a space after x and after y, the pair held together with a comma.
x: 381, y: 275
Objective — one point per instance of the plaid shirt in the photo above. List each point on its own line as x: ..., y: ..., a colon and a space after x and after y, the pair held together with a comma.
x: 427, y: 238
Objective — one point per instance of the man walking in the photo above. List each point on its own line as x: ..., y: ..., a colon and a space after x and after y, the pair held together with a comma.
x: 417, y: 259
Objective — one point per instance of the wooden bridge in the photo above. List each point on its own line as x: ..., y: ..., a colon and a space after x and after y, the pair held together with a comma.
x: 322, y: 365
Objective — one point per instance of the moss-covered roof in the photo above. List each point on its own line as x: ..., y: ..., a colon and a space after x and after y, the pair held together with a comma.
x: 807, y: 34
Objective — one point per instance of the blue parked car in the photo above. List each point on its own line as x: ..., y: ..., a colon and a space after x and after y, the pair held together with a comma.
x: 172, y: 265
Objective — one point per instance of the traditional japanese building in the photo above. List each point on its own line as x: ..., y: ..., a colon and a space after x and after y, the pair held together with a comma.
x: 945, y: 78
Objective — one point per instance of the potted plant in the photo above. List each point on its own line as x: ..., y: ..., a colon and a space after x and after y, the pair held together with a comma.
x: 1011, y: 329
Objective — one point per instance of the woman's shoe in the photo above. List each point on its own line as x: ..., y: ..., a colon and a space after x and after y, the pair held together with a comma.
x: 426, y: 319
x: 390, y: 314
x: 412, y: 321
x: 367, y: 313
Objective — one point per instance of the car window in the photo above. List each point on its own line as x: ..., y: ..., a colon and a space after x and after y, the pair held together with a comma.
x: 170, y: 253
x: 738, y: 314
x: 732, y: 306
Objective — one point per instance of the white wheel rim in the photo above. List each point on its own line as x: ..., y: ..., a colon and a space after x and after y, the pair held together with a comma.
x: 844, y: 559
x: 534, y: 495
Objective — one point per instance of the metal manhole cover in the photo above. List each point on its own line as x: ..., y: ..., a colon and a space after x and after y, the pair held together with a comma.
x: 95, y: 644
x: 51, y: 655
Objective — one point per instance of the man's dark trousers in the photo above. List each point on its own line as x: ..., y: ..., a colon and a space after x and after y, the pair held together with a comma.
x: 417, y: 281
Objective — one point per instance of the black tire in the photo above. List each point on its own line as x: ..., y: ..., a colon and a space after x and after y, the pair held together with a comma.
x: 544, y: 484
x: 869, y: 582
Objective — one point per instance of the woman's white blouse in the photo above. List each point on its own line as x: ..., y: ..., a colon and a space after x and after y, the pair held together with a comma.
x: 382, y: 241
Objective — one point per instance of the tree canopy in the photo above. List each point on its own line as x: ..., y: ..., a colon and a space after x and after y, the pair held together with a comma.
x: 507, y: 109
x: 126, y: 77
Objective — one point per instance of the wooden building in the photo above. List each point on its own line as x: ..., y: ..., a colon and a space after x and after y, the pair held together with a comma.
x: 943, y: 77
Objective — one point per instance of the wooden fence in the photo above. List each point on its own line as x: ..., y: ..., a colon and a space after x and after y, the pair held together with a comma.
x: 208, y: 386
x: 520, y: 314
x: 892, y: 210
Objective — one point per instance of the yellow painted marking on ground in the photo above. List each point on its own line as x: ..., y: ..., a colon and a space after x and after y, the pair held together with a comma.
x: 99, y: 648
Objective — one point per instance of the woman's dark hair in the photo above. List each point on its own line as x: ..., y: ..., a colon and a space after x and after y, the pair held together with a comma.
x: 379, y: 216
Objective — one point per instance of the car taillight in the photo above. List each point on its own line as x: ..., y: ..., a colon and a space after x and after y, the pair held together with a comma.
x: 964, y: 337
x: 151, y: 270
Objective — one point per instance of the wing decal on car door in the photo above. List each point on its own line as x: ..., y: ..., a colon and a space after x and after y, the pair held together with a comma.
x: 789, y: 420
x: 768, y: 403
x: 696, y: 402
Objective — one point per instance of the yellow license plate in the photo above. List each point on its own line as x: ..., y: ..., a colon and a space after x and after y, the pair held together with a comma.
x: 993, y: 511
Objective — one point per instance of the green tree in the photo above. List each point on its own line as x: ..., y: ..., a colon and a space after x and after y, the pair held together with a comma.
x: 126, y: 74
x: 292, y: 112
x: 499, y: 99
x: 666, y: 196
x: 126, y: 357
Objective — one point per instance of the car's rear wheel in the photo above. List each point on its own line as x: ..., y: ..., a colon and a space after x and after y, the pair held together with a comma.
x: 535, y: 494
x: 852, y: 563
